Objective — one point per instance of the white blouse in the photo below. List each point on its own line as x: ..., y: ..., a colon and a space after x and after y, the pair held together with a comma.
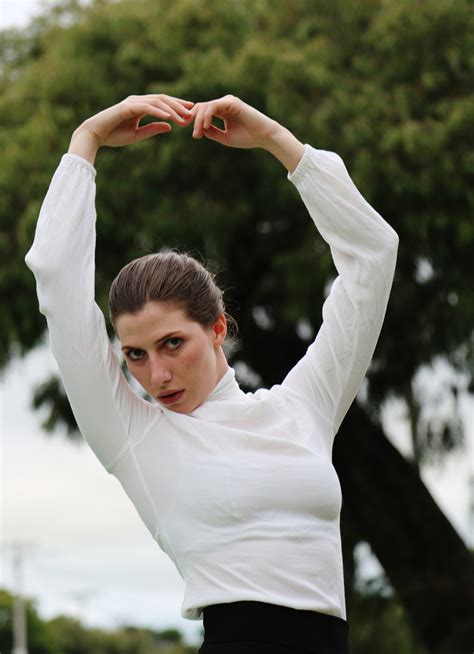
x: 241, y: 494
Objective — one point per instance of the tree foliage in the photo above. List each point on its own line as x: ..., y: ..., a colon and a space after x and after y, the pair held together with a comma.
x: 67, y: 635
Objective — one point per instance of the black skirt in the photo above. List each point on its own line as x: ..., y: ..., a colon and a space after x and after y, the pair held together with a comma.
x: 261, y: 628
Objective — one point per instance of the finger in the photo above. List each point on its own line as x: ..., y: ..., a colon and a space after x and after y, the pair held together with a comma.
x: 220, y: 107
x: 153, y: 97
x: 198, y: 122
x: 152, y: 129
x: 226, y: 107
x: 208, y: 114
x: 184, y: 121
x: 159, y: 112
x: 205, y: 112
x: 216, y: 134
x: 187, y: 103
x: 172, y: 104
x: 167, y: 105
x: 197, y: 107
x: 134, y: 109
x: 180, y: 120
x: 178, y: 104
x: 194, y: 112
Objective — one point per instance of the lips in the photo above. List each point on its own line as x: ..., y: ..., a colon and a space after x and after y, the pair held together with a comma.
x: 170, y: 397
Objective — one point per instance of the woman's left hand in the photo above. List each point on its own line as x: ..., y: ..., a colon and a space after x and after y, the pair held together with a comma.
x: 244, y: 126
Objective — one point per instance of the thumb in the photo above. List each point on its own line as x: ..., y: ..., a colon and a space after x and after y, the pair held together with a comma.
x: 152, y: 129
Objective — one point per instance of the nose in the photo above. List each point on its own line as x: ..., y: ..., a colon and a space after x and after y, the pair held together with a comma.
x: 159, y: 373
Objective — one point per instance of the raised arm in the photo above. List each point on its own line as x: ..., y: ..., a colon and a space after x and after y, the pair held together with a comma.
x: 364, y: 249
x: 62, y: 260
x: 363, y: 246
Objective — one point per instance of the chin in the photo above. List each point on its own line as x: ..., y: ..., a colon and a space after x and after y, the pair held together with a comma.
x: 180, y: 409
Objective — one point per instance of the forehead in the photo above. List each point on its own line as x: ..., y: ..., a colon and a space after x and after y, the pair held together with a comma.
x: 154, y: 321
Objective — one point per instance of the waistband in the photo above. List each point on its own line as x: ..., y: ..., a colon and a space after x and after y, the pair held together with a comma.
x: 310, y: 631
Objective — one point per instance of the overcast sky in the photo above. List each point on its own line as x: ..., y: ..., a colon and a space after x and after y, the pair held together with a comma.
x: 88, y: 552
x: 17, y: 13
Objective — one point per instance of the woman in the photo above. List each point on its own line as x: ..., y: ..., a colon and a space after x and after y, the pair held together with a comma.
x: 238, y: 489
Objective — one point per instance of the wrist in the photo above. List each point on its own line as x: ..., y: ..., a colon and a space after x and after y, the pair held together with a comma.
x: 284, y: 146
x: 83, y: 144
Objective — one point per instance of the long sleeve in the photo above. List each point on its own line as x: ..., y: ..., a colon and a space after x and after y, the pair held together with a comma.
x: 62, y: 260
x: 364, y: 250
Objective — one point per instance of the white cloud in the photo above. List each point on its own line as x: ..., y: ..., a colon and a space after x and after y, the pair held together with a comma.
x: 17, y: 13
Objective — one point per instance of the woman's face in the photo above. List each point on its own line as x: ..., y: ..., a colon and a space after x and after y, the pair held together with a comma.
x: 175, y: 359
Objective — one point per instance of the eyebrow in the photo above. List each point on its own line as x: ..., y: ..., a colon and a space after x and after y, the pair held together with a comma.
x: 160, y: 340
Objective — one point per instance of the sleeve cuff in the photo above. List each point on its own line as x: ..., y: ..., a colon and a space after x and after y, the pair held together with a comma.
x: 303, y: 164
x: 68, y: 157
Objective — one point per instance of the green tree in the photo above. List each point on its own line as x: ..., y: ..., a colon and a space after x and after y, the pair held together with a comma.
x: 66, y: 635
x: 380, y: 621
x: 40, y: 635
x: 72, y: 637
x: 385, y: 83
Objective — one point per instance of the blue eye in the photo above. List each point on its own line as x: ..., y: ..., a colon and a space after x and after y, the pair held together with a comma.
x: 173, y: 343
x: 135, y: 355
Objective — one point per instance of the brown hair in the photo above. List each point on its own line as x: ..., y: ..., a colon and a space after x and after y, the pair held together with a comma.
x: 173, y: 277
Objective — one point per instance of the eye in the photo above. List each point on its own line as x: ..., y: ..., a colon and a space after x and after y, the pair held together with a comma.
x: 173, y: 343
x: 134, y: 355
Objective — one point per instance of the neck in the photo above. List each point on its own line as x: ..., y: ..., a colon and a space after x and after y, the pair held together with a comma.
x: 222, y: 366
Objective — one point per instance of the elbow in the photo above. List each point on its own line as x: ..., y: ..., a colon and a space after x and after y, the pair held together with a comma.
x: 42, y: 266
x: 391, y: 252
x: 384, y: 252
x: 37, y: 264
x: 44, y: 275
x: 394, y: 239
x: 393, y: 243
x: 390, y: 241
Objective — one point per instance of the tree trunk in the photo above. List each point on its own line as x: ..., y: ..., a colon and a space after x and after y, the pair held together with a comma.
x: 425, y: 559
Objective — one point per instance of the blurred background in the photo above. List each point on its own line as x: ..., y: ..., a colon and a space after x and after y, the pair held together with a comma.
x: 388, y: 84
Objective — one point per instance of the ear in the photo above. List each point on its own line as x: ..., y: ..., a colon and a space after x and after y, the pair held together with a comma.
x: 219, y: 330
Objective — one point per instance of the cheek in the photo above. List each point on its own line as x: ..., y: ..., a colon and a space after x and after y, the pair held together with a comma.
x: 198, y: 358
x: 137, y: 372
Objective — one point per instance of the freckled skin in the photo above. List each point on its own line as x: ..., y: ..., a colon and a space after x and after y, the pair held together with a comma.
x: 190, y: 359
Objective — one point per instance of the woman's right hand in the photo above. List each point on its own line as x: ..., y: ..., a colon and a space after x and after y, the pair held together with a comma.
x: 119, y: 125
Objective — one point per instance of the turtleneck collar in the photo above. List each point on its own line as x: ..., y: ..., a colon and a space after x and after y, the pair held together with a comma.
x: 226, y: 388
